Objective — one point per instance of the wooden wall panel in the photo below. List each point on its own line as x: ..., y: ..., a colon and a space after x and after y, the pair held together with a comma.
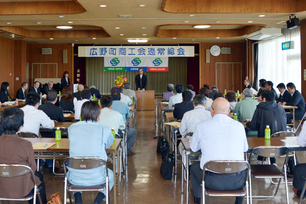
x: 207, y: 70
x: 20, y: 64
x: 35, y: 56
x: 7, y: 63
x: 303, y: 56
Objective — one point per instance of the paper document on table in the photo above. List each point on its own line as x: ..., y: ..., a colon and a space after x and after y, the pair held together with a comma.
x: 42, y: 145
x: 66, y: 115
x: 290, y: 142
x: 174, y: 124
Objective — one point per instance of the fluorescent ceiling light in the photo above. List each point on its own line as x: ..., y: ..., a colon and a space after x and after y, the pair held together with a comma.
x: 39, y: 22
x: 94, y: 38
x: 217, y: 37
x: 187, y: 21
x: 201, y: 26
x: 8, y: 23
x: 137, y: 40
x: 117, y: 28
x: 70, y: 22
x: 143, y: 28
x: 261, y: 16
x: 51, y: 38
x: 191, y: 15
x: 61, y: 16
x: 64, y: 27
x: 103, y: 6
x: 250, y: 21
x: 144, y: 34
x: 121, y: 34
x: 142, y: 5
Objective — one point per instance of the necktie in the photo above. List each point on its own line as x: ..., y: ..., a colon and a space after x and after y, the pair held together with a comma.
x: 140, y: 82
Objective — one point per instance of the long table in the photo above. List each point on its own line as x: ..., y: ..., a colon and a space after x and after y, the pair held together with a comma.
x: 60, y: 150
x: 293, y: 113
x: 252, y: 142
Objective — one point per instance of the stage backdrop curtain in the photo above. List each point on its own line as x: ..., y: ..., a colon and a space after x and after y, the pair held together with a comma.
x: 277, y: 65
x: 105, y: 80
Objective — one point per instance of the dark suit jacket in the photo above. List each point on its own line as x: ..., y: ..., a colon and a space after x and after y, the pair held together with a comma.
x: 64, y: 82
x: 32, y: 89
x: 20, y: 95
x: 77, y: 95
x: 46, y: 90
x: 4, y: 96
x: 53, y: 112
x: 285, y: 97
x: 275, y: 94
x: 211, y: 94
x: 96, y: 92
x: 297, y: 100
x: 144, y: 81
x: 181, y: 108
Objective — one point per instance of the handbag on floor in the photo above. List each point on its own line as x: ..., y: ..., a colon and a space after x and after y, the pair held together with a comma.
x: 166, y: 168
x: 162, y: 145
x: 55, y: 199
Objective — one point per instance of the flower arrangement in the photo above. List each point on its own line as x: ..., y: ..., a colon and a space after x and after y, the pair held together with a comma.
x: 120, y: 81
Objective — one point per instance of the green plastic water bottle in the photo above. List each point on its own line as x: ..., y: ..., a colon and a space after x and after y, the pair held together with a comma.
x: 267, y: 132
x: 132, y: 99
x: 225, y: 92
x: 94, y: 97
x: 114, y: 133
x: 237, y: 94
x: 99, y: 103
x: 235, y: 116
x: 59, y: 93
x: 58, y: 134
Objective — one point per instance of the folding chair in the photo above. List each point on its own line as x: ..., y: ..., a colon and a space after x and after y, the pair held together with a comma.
x: 227, y: 167
x: 303, y: 191
x: 27, y: 135
x: 268, y: 170
x: 14, y: 170
x: 84, y: 163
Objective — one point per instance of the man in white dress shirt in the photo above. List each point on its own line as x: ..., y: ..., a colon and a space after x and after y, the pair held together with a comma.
x: 218, y: 138
x: 114, y: 119
x: 85, y: 96
x: 177, y: 98
x: 33, y: 117
x: 193, y: 117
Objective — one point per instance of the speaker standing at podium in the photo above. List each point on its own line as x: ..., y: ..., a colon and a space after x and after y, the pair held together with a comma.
x: 141, y: 80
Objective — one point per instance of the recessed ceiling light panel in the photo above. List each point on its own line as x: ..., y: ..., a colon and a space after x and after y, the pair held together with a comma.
x: 143, y: 28
x: 142, y: 5
x: 144, y: 34
x: 103, y: 6
x: 187, y: 21
x: 9, y: 23
x: 137, y: 40
x: 64, y: 27
x: 261, y: 15
x: 70, y: 22
x: 201, y: 26
x: 61, y: 16
x: 250, y: 21
x: 121, y: 34
x: 39, y: 22
x: 191, y: 15
x: 117, y: 27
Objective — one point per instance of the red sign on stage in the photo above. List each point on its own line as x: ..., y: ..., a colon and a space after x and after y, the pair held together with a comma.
x: 157, y: 69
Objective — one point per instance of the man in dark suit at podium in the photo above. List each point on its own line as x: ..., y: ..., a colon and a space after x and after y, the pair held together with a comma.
x: 21, y: 93
x: 141, y: 80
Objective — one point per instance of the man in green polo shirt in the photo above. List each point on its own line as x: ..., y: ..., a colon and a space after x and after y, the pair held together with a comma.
x: 245, y: 108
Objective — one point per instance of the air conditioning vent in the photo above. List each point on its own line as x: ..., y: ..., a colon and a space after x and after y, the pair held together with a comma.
x: 46, y: 51
x: 265, y: 34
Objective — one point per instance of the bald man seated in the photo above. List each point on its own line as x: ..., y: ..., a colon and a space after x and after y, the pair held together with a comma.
x: 218, y: 138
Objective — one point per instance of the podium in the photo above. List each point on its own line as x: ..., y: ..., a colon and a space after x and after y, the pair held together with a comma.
x: 145, y: 100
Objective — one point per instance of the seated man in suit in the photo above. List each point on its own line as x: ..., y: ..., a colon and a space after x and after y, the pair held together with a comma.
x: 15, y: 150
x: 129, y: 92
x: 296, y: 99
x: 21, y: 93
x: 177, y: 98
x: 95, y: 91
x: 78, y: 93
x: 269, y: 86
x: 113, y: 119
x: 52, y: 111
x: 48, y: 88
x: 181, y: 108
x: 190, y: 88
x: 284, y: 94
x: 35, y: 88
x: 218, y: 138
x: 214, y: 90
x: 122, y: 108
x: 247, y: 85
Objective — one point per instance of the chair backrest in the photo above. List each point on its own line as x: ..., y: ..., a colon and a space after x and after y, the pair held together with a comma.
x: 272, y: 151
x: 283, y: 134
x: 13, y: 170
x: 226, y: 166
x: 27, y: 135
x: 84, y: 162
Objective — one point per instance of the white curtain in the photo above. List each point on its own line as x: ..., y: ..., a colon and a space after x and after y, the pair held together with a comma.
x: 277, y: 65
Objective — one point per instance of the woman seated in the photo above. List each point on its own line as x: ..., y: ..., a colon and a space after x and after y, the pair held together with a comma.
x: 4, y: 95
x: 88, y: 138
x: 67, y: 100
x: 169, y: 93
x: 231, y: 97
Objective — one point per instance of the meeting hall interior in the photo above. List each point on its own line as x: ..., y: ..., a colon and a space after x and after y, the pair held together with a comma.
x: 163, y: 101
